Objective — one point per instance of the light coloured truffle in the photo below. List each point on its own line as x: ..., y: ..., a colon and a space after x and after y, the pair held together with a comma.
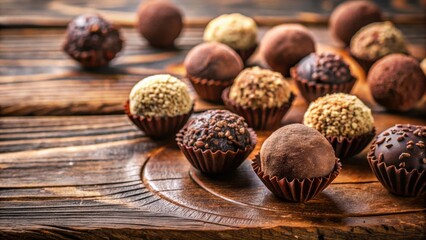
x: 377, y: 40
x: 235, y: 30
x: 260, y: 88
x: 339, y: 115
x: 159, y: 96
x: 423, y: 65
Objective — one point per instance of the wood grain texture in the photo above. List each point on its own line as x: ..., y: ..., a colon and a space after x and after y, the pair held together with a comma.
x: 37, y: 78
x: 92, y: 177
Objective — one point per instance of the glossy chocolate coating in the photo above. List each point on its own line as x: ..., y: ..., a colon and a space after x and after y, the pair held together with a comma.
x: 403, y: 146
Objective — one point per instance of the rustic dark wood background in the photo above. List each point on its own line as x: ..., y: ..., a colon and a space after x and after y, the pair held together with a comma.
x: 73, y: 167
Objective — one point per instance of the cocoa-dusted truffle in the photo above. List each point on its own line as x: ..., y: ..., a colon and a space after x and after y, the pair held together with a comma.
x: 397, y: 82
x: 260, y: 88
x: 217, y: 130
x: 160, y: 23
x: 350, y: 16
x: 213, y: 61
x: 297, y: 151
x: 339, y: 115
x: 160, y: 96
x: 403, y: 146
x: 324, y: 68
x: 92, y: 41
x: 377, y: 40
x: 285, y: 45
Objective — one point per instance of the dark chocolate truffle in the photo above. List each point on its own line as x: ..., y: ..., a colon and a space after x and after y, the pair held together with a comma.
x: 160, y: 23
x: 324, y: 68
x: 351, y: 16
x: 92, y: 40
x: 218, y: 130
x: 285, y: 45
x: 403, y: 146
x: 297, y: 151
x: 213, y: 61
x: 397, y: 82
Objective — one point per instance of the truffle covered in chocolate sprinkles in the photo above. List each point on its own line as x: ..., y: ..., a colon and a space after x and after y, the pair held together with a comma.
x: 92, y: 41
x: 402, y: 146
x: 324, y: 68
x: 218, y: 130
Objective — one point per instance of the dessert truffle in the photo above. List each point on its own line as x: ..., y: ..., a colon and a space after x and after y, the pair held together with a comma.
x: 324, y: 68
x: 377, y: 40
x: 403, y: 146
x: 160, y: 96
x: 297, y: 151
x: 235, y: 30
x: 339, y: 115
x: 348, y: 17
x: 160, y: 23
x: 92, y: 41
x: 285, y: 45
x: 397, y: 82
x: 260, y: 88
x: 218, y: 130
x: 423, y: 65
x: 213, y: 61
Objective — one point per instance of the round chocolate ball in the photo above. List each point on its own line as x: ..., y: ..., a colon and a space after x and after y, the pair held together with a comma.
x: 297, y: 151
x: 160, y: 23
x: 324, y: 68
x: 397, y: 82
x: 350, y: 16
x: 92, y: 41
x: 402, y: 146
x: 213, y: 61
x: 285, y: 45
x: 218, y: 130
x: 160, y: 95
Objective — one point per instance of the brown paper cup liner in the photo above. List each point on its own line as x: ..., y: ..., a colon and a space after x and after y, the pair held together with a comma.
x: 258, y: 118
x: 245, y: 54
x: 398, y: 180
x: 311, y: 91
x: 347, y: 147
x: 295, y: 190
x: 158, y: 127
x: 210, y: 162
x: 209, y: 89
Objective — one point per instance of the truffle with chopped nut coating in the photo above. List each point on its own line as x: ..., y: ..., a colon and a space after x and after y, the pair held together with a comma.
x: 339, y: 115
x: 260, y: 88
x: 403, y: 146
x: 217, y: 130
x: 92, y: 41
x: 297, y: 151
x: 235, y: 30
x: 160, y: 96
x: 397, y: 82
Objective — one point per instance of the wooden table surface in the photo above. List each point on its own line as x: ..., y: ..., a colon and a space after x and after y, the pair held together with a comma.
x: 72, y: 166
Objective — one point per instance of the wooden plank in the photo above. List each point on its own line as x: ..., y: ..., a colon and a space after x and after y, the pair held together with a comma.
x: 37, y: 78
x: 50, y: 13
x: 89, y: 183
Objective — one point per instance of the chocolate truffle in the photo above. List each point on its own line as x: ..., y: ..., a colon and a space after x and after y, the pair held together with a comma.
x: 260, y: 88
x: 339, y: 115
x: 285, y: 45
x: 377, y: 40
x: 403, y: 146
x: 235, y: 30
x: 350, y: 16
x: 297, y: 151
x: 213, y: 61
x: 218, y: 130
x: 160, y: 23
x: 92, y: 41
x: 397, y: 82
x: 160, y: 96
x: 324, y: 68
